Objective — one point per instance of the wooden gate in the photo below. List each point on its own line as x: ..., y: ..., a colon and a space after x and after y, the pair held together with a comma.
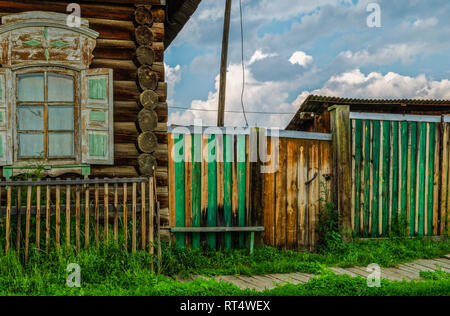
x: 395, y: 174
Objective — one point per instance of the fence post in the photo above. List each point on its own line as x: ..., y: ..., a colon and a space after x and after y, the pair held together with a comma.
x: 340, y: 129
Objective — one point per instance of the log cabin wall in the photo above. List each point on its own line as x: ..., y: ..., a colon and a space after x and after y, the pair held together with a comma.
x: 140, y: 136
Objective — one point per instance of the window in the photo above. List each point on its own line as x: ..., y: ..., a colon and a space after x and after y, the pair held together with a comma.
x: 46, y: 115
x: 53, y: 108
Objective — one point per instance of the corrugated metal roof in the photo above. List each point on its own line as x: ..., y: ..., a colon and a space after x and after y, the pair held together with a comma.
x: 315, y: 103
x: 318, y: 104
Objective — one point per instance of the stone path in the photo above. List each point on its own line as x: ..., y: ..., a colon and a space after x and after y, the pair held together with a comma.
x: 405, y: 271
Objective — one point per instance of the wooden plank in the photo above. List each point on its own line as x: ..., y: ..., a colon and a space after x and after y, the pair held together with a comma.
x: 188, y: 184
x: 421, y: 173
x: 395, y: 172
x: 429, y: 181
x: 171, y: 181
x: 38, y: 217
x: 358, y: 176
x: 27, y: 223
x: 58, y: 217
x: 280, y: 212
x: 8, y: 220
x: 151, y: 216
x: 47, y: 219
x: 376, y: 176
x: 204, y: 180
x: 96, y: 215
x: 116, y: 212
x: 220, y: 188
x: 269, y: 199
x: 68, y: 189
x: 133, y: 218
x: 77, y: 217
x: 367, y: 177
x: 235, y: 190
x: 179, y: 187
x: 242, y: 176
x: 196, y: 187
x: 436, y: 178
x: 394, y: 117
x: 86, y: 216
x: 444, y: 177
x: 125, y: 216
x: 404, y: 187
x: 384, y: 216
x: 413, y: 179
x: 292, y: 204
x: 227, y: 175
x: 212, y: 189
x: 19, y: 219
x: 143, y: 216
x: 353, y: 174
x: 314, y: 194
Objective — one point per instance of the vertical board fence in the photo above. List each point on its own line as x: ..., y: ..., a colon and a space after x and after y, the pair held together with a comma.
x: 208, y: 187
x: 215, y: 180
x: 56, y: 214
x: 396, y: 174
x: 444, y: 225
x: 295, y: 189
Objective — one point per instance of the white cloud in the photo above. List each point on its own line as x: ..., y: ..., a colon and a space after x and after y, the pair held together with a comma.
x: 426, y: 23
x: 173, y: 76
x: 355, y: 84
x: 259, y: 55
x: 259, y: 97
x: 301, y: 58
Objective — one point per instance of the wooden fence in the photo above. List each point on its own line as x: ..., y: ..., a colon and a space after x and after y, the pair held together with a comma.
x: 215, y: 179
x: 396, y: 174
x: 65, y: 213
x: 295, y: 190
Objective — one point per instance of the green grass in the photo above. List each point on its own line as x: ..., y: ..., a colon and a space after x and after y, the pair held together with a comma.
x: 108, y: 270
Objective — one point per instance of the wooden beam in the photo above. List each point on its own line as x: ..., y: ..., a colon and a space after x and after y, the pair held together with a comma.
x: 223, y: 64
x: 340, y: 129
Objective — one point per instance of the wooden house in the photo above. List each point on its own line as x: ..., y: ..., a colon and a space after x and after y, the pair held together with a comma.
x: 87, y: 96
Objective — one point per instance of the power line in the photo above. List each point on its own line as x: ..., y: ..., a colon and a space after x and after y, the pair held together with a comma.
x: 230, y: 111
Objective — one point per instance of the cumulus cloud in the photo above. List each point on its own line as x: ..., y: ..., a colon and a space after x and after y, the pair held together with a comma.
x: 355, y: 84
x: 301, y: 58
x: 259, y: 55
x: 173, y: 76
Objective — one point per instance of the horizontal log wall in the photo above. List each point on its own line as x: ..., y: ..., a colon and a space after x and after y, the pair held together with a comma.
x: 116, y: 49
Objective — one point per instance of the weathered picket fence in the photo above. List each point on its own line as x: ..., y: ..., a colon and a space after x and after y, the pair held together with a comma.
x: 247, y: 178
x: 78, y: 212
x: 396, y: 173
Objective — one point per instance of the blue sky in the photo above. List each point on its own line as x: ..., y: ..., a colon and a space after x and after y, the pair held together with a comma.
x: 293, y: 48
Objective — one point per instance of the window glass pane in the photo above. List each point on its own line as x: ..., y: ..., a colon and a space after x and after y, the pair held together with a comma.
x: 60, y: 145
x: 31, y: 145
x: 31, y: 87
x: 31, y: 118
x: 60, y: 118
x: 60, y: 88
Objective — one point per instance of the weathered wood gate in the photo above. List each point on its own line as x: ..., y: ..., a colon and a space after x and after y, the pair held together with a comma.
x: 396, y: 164
x: 238, y: 178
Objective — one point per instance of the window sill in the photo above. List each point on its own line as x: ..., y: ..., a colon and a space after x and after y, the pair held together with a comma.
x: 52, y: 171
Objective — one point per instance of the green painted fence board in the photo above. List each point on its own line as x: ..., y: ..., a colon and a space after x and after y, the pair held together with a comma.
x: 376, y: 177
x: 395, y: 174
x: 357, y: 177
x: 179, y: 187
x: 242, y: 185
x: 404, y: 171
x: 413, y: 171
x: 421, y: 173
x: 431, y: 161
x: 227, y: 175
x: 196, y: 187
x: 385, y: 176
x: 367, y: 164
x: 212, y: 189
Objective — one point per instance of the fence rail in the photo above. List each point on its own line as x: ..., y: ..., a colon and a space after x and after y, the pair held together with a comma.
x: 73, y: 212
